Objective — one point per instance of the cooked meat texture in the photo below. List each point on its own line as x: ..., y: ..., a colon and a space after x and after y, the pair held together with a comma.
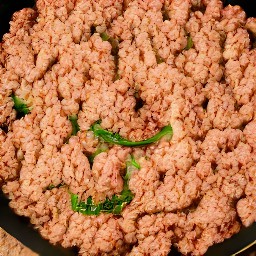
x: 192, y: 190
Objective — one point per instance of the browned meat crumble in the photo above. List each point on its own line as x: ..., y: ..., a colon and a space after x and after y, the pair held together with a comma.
x: 193, y: 190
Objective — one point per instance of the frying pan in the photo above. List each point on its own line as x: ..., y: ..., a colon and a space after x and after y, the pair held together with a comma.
x: 20, y: 227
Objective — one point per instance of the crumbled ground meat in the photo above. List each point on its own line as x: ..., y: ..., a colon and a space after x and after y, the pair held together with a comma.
x: 192, y: 190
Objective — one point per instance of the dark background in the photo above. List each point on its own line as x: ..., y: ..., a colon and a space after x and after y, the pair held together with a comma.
x: 7, y: 8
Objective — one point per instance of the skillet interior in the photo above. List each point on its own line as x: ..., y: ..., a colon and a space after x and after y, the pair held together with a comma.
x: 20, y: 227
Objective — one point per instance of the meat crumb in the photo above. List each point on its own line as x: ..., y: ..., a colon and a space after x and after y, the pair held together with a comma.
x: 136, y: 66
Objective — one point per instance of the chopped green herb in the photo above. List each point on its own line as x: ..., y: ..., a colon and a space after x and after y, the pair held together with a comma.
x: 133, y: 162
x: 114, y: 205
x: 115, y: 138
x: 88, y: 207
x: 75, y: 126
x: 104, y: 36
x: 190, y: 43
x: 111, y: 205
x: 114, y: 42
x: 74, y: 202
x: 20, y: 106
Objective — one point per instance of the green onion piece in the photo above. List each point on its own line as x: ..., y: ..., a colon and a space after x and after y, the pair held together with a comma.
x: 190, y: 43
x: 74, y: 202
x: 104, y: 36
x: 88, y: 207
x: 131, y: 164
x: 75, y: 126
x: 115, y: 138
x: 20, y: 106
x: 114, y: 43
x: 114, y: 205
x: 134, y: 163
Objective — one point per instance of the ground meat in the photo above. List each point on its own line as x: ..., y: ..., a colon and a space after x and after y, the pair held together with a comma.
x: 107, y: 173
x: 75, y: 167
x: 9, y: 164
x: 153, y: 235
x: 202, y: 228
x: 246, y: 207
x: 128, y: 64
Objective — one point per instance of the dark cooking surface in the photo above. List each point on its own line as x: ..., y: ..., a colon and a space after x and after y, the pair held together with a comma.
x: 7, y: 8
x: 20, y: 228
